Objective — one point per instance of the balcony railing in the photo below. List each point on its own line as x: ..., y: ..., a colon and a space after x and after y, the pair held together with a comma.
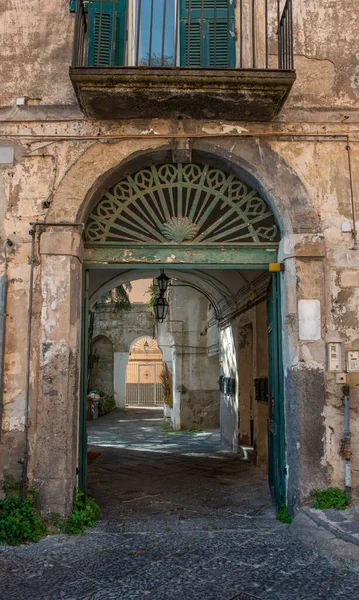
x: 200, y: 59
x: 200, y: 34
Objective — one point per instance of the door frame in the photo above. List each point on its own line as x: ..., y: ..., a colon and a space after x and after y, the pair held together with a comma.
x: 276, y: 283
x: 276, y: 416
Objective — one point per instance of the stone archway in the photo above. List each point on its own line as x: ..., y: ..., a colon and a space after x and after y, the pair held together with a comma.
x: 253, y: 162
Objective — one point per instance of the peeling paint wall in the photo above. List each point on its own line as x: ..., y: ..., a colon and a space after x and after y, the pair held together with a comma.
x: 195, y: 373
x: 300, y: 162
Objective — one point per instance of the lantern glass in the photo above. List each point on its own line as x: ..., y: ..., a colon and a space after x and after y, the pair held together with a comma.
x: 163, y: 282
x: 160, y: 308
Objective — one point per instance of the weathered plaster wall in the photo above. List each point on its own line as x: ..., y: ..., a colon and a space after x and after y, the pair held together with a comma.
x: 60, y: 164
x: 36, y: 52
x: 37, y: 43
x: 196, y: 374
x: 252, y: 364
x: 125, y: 327
x: 328, y: 275
x: 102, y: 372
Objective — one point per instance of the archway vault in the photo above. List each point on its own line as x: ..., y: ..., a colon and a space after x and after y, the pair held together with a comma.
x: 182, y: 213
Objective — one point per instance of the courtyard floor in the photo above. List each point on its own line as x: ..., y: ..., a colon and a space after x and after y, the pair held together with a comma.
x: 181, y: 519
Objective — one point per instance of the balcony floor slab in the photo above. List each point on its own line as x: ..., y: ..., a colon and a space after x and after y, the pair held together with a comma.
x: 132, y: 92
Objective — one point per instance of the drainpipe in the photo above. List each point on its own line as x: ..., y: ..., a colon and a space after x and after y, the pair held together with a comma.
x: 346, y: 441
x: 3, y: 298
x: 25, y: 460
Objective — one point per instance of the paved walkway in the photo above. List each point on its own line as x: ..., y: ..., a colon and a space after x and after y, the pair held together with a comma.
x: 181, y: 519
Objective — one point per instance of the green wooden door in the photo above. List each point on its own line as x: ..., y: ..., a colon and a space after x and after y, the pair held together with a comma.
x: 84, y: 383
x: 207, y: 34
x: 276, y: 429
x: 106, y: 33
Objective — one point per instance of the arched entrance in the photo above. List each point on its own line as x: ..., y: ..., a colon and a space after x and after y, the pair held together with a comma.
x: 198, y: 217
x: 143, y: 374
x: 56, y: 366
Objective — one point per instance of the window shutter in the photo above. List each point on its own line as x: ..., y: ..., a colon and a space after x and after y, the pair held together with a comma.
x: 207, y: 34
x: 106, y: 35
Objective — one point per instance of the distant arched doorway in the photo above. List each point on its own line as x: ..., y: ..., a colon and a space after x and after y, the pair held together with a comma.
x: 143, y: 374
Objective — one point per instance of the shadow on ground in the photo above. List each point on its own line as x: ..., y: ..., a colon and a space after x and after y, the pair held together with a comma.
x: 181, y: 519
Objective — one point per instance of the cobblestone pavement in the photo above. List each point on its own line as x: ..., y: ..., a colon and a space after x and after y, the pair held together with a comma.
x: 181, y: 519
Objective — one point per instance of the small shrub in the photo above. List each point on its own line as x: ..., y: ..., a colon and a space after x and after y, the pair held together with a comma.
x: 84, y: 514
x: 106, y: 405
x: 166, y: 380
x: 19, y: 521
x: 332, y: 497
x: 283, y: 514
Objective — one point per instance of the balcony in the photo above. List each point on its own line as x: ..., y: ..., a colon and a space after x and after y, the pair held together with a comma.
x: 201, y: 59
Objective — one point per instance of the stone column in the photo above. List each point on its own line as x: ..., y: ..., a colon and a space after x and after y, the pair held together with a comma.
x: 55, y: 452
x: 119, y: 378
x: 303, y: 323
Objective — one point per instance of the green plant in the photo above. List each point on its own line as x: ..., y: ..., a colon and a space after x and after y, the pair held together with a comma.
x: 283, y: 514
x: 84, y: 514
x: 169, y: 429
x: 332, y: 497
x: 118, y: 297
x: 106, y: 405
x: 153, y: 290
x: 19, y: 521
x: 166, y: 380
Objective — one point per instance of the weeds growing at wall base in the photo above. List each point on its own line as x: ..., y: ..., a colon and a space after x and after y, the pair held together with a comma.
x: 332, y: 497
x: 20, y: 523
x: 283, y: 514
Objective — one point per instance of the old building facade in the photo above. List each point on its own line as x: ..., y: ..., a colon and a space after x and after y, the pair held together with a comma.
x: 217, y: 140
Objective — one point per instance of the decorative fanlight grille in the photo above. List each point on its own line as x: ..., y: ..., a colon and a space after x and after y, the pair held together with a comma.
x: 181, y: 203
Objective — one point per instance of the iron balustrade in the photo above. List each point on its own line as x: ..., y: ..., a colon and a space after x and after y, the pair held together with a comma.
x: 219, y: 34
x: 285, y: 38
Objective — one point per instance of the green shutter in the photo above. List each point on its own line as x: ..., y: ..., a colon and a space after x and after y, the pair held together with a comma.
x: 207, y: 34
x: 106, y: 34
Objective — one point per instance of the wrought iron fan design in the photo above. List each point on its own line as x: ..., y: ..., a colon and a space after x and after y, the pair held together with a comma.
x: 181, y: 203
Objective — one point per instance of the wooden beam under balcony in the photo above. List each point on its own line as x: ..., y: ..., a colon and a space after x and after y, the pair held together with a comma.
x: 145, y: 92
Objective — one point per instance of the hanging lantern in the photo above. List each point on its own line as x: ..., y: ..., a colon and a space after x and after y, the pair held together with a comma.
x: 163, y: 282
x: 146, y: 346
x: 160, y: 308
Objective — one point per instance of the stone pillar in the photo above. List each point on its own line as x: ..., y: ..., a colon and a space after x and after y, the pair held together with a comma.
x: 228, y: 344
x: 55, y: 451
x: 304, y: 355
x: 119, y: 378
